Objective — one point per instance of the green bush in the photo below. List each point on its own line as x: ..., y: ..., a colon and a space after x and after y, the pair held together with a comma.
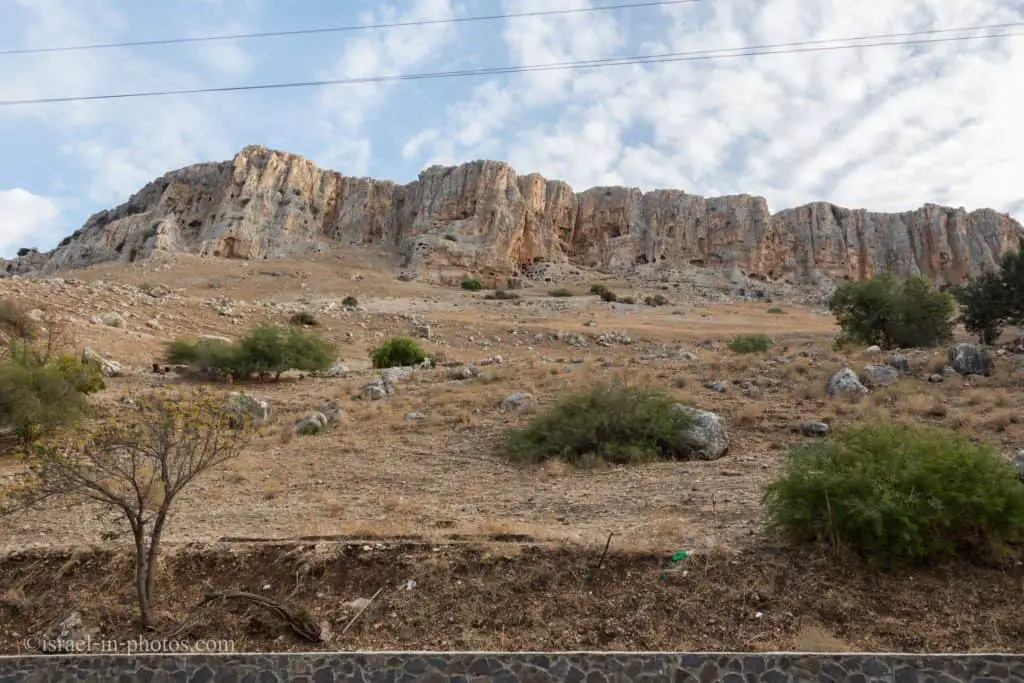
x: 267, y: 349
x: 891, y: 313
x: 609, y: 296
x: 472, y: 285
x: 656, y: 300
x: 777, y: 311
x: 899, y: 494
x: 304, y: 318
x: 350, y: 302
x: 750, y: 343
x: 627, y: 300
x: 398, y: 352
x: 561, y: 293
x: 40, y: 398
x: 598, y: 289
x: 608, y: 423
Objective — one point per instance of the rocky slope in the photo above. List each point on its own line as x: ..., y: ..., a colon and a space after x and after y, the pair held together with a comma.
x: 483, y: 217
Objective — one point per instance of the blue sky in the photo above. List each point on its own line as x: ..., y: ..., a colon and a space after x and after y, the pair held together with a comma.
x: 886, y: 128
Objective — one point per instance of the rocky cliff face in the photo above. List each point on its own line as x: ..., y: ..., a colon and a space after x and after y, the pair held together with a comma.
x: 482, y: 216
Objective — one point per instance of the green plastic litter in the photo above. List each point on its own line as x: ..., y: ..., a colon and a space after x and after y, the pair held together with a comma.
x: 681, y: 555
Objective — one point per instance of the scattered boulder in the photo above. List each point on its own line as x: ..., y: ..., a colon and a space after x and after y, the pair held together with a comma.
x: 970, y: 359
x: 900, y: 363
x: 245, y: 404
x: 720, y: 387
x: 332, y: 410
x: 465, y: 372
x: 845, y: 382
x: 708, y: 435
x: 153, y: 324
x: 874, y: 348
x: 108, y: 368
x: 415, y: 417
x: 423, y: 331
x: 396, y: 375
x: 813, y: 428
x: 519, y: 402
x: 113, y: 320
x: 376, y: 390
x: 880, y: 375
x: 35, y: 315
x: 312, y: 424
x: 333, y: 372
x: 935, y: 378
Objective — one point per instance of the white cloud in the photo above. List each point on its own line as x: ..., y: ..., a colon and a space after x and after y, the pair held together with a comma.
x: 24, y: 219
x: 342, y: 112
x: 885, y: 128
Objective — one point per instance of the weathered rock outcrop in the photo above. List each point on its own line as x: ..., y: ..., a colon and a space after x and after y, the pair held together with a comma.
x: 483, y: 216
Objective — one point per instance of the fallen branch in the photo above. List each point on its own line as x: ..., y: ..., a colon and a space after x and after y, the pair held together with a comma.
x: 297, y: 619
x: 605, y: 553
x: 360, y: 613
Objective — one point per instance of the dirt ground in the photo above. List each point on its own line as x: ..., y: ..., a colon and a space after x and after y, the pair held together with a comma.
x: 380, y: 474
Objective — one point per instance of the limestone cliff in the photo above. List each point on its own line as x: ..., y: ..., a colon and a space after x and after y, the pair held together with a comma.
x: 483, y: 216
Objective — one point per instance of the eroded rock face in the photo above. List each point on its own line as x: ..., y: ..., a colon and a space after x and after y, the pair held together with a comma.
x: 482, y: 216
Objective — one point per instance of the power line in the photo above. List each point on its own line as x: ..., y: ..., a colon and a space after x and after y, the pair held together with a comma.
x: 700, y: 55
x: 339, y: 29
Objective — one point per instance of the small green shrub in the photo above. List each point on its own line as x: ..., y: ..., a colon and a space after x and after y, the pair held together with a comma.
x: 609, y: 296
x: 39, y: 398
x: 561, y: 293
x: 398, y: 352
x: 350, y: 302
x: 266, y: 349
x: 776, y: 311
x: 304, y: 318
x: 656, y: 300
x: 472, y: 285
x: 598, y: 289
x: 750, y: 343
x: 502, y: 295
x: 627, y: 300
x: 899, y: 494
x: 608, y: 423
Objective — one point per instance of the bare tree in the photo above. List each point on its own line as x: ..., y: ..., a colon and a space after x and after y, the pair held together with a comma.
x: 136, y: 465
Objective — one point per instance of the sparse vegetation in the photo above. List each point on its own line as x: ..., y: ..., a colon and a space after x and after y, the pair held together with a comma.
x: 608, y: 295
x: 605, y: 424
x: 750, y: 343
x: 892, y: 313
x: 598, y: 290
x: 627, y: 300
x: 656, y: 300
x: 561, y: 293
x: 899, y: 494
x: 775, y: 310
x: 137, y: 463
x: 304, y: 318
x: 43, y: 389
x: 350, y: 302
x: 472, y: 285
x: 398, y: 352
x: 266, y: 350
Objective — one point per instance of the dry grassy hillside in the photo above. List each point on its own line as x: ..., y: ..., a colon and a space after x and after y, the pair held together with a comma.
x: 387, y: 472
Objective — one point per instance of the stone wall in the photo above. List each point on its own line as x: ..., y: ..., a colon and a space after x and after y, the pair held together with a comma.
x: 517, y: 668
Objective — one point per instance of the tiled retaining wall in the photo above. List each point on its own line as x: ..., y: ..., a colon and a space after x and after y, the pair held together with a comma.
x: 515, y: 668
